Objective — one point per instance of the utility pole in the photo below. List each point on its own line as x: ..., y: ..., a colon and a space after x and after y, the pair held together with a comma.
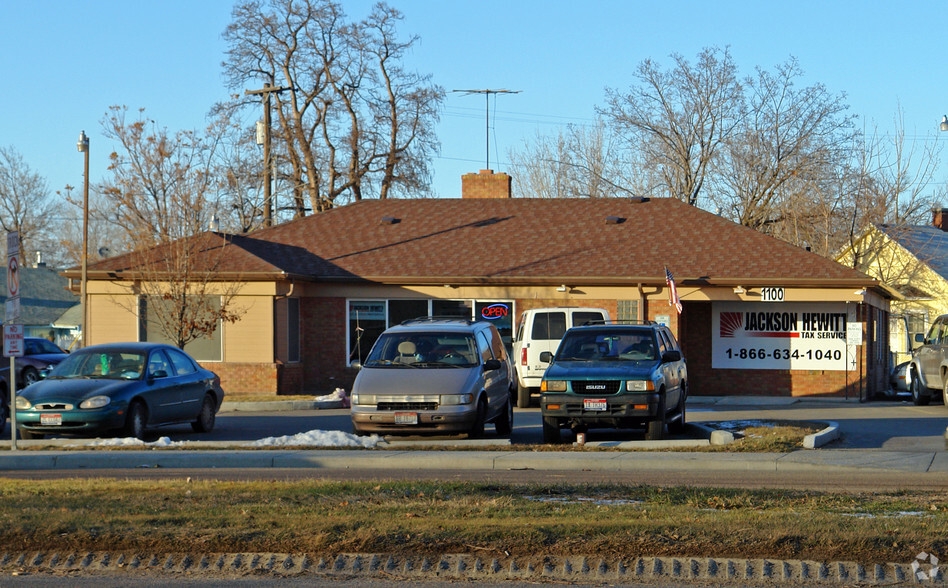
x: 487, y: 94
x: 267, y: 162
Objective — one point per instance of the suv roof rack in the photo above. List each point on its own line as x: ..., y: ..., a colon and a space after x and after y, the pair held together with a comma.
x: 433, y: 318
x: 620, y: 322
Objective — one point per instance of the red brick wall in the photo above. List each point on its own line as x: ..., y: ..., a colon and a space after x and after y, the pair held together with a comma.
x: 324, y: 322
x: 703, y: 380
x: 256, y: 378
x: 485, y: 184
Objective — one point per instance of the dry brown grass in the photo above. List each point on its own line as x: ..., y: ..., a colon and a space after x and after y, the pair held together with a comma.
x: 322, y: 517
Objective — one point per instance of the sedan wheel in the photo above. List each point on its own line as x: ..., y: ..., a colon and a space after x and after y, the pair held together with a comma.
x: 30, y: 376
x: 136, y: 419
x: 206, y: 418
x: 917, y: 397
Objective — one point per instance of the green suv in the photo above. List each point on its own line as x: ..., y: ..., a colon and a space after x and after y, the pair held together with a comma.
x: 614, y: 375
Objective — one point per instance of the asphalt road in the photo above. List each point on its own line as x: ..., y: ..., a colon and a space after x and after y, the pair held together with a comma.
x: 885, y: 425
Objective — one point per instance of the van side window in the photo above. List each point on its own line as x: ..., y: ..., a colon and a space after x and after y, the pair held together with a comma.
x: 483, y: 347
x: 549, y: 325
x: 497, y: 345
x: 581, y: 318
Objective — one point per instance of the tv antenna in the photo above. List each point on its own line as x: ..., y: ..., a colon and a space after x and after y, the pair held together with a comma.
x: 487, y: 94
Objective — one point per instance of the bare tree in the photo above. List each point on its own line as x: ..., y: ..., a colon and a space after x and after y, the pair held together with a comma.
x: 788, y: 142
x: 352, y: 121
x: 893, y: 192
x: 578, y: 162
x: 179, y: 288
x: 161, y: 192
x: 676, y: 120
x: 25, y: 205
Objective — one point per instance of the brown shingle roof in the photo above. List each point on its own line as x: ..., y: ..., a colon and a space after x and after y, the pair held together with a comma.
x: 528, y: 240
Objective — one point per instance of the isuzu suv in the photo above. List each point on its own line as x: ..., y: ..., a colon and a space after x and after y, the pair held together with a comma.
x: 617, y: 376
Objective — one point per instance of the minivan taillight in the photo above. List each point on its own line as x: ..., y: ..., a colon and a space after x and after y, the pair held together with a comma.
x: 523, y: 356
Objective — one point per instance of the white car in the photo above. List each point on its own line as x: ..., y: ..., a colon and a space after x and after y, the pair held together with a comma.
x: 539, y: 330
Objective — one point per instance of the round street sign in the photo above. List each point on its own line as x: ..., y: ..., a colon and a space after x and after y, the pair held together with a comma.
x: 13, y: 277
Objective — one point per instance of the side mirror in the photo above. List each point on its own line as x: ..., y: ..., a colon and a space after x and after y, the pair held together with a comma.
x: 546, y: 357
x: 356, y: 364
x: 157, y: 374
x: 44, y: 372
x: 671, y: 355
x: 491, y: 365
x: 919, y: 338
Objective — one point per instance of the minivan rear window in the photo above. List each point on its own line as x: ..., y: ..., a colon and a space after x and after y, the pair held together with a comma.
x: 549, y: 325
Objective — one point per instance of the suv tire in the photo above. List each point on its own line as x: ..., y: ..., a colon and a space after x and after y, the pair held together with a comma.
x: 551, y: 430
x: 918, y: 397
x: 677, y: 426
x: 523, y: 396
x: 655, y: 430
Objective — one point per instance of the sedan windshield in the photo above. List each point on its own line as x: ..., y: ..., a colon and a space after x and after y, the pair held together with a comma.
x: 423, y: 350
x: 119, y: 365
x: 604, y: 345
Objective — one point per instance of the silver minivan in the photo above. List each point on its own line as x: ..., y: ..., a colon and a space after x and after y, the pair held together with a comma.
x: 434, y: 375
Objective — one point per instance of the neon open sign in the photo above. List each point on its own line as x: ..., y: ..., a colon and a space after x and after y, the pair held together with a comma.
x: 494, y: 311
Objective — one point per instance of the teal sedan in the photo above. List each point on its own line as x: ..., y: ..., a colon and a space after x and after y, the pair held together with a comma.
x: 121, y: 387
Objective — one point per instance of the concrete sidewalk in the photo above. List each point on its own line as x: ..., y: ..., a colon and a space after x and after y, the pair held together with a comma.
x: 798, y: 461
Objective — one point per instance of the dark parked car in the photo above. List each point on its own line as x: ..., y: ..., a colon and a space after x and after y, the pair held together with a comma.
x: 38, y: 355
x: 128, y: 387
x: 616, y: 376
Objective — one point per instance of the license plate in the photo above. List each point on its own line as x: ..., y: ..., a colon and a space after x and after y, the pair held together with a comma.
x: 594, y: 404
x: 51, y: 419
x: 406, y: 418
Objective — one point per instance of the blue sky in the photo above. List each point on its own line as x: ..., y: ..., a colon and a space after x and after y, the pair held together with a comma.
x: 65, y: 62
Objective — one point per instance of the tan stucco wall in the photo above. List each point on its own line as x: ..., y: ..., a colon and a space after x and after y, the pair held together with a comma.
x: 113, y: 318
x: 250, y: 339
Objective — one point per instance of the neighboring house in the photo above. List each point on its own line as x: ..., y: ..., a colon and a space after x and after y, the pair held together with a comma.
x: 760, y: 316
x: 912, y: 261
x: 44, y: 297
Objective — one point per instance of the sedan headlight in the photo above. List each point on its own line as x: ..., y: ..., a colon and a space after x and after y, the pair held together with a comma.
x: 639, y: 385
x: 363, y: 399
x: 553, y: 386
x: 22, y: 403
x: 95, y: 402
x: 457, y: 398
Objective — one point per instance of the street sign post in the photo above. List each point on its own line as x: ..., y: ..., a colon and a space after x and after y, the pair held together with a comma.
x: 12, y: 332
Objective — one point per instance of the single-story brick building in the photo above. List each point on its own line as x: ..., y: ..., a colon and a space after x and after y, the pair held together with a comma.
x: 759, y: 316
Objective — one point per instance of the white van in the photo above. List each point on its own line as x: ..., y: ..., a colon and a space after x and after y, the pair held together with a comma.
x: 539, y: 330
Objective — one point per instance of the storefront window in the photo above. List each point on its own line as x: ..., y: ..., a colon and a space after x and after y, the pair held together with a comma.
x: 500, y: 314
x: 366, y: 323
x: 369, y: 318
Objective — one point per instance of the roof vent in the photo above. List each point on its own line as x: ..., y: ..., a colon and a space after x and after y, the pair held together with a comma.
x: 389, y: 220
x: 638, y: 199
x: 614, y: 220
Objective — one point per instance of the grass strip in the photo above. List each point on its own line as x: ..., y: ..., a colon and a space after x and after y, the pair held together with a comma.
x: 328, y: 517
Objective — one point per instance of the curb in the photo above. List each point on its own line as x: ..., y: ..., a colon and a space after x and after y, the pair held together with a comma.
x: 471, y: 567
x: 827, y: 435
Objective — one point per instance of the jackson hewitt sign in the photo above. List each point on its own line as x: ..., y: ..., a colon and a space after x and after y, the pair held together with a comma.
x: 788, y: 336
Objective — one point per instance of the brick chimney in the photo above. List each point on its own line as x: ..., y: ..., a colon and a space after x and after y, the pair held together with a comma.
x: 486, y: 184
x: 940, y: 218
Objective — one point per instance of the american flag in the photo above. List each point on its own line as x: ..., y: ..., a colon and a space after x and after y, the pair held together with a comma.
x: 672, y: 291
